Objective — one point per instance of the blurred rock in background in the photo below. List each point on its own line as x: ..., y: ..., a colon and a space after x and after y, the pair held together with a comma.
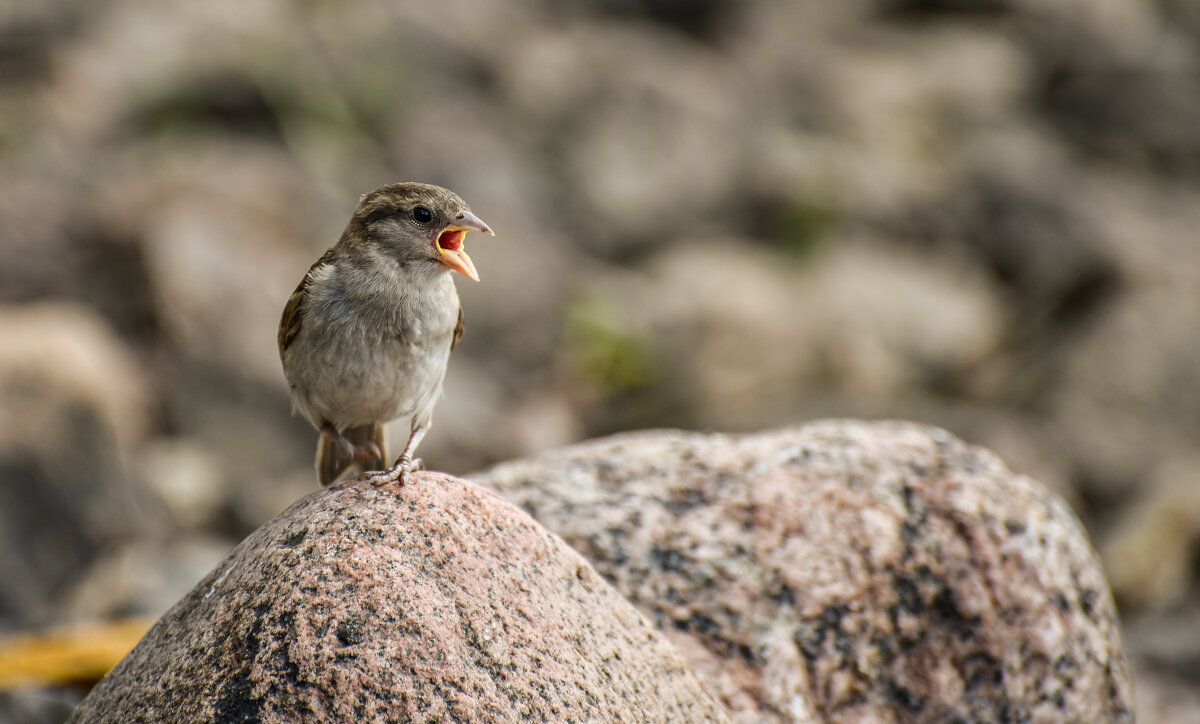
x: 978, y: 214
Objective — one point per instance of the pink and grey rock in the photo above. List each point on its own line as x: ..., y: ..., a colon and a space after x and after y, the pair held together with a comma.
x: 434, y: 602
x: 838, y: 572
x: 845, y: 571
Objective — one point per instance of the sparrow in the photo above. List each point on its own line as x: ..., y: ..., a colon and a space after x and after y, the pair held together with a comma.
x: 367, y: 334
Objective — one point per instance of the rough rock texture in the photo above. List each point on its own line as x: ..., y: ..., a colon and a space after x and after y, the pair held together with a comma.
x: 981, y: 234
x: 845, y: 571
x: 434, y: 602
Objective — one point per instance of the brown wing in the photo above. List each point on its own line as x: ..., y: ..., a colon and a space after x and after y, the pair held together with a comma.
x: 458, y: 330
x: 293, y: 312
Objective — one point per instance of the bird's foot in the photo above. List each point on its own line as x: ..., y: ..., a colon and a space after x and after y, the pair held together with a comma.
x: 370, y: 453
x: 398, y: 473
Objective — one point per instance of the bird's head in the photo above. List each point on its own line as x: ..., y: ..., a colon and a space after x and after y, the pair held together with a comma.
x: 415, y: 222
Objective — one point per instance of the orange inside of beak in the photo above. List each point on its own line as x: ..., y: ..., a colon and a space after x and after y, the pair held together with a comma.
x: 451, y: 253
x: 451, y: 240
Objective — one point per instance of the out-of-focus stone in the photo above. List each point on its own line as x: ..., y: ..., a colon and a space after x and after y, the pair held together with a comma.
x: 226, y: 241
x: 1166, y: 699
x: 435, y: 601
x: 859, y: 320
x: 475, y: 401
x: 1165, y: 648
x: 1088, y: 49
x: 36, y: 705
x: 72, y: 404
x: 1126, y: 401
x: 851, y: 571
x: 890, y: 321
x: 227, y: 232
x: 63, y: 347
x: 1149, y: 554
x: 141, y: 579
x: 905, y: 110
x: 186, y: 479
x: 643, y: 153
x: 1166, y: 642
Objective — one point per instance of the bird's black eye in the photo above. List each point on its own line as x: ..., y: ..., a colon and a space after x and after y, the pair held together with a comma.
x: 422, y: 215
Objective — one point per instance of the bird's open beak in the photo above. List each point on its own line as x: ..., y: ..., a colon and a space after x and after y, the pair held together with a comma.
x: 450, y: 243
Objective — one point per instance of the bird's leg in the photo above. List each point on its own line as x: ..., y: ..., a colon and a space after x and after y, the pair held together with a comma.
x: 404, y: 464
x: 359, y: 446
x: 335, y: 453
x: 370, y: 452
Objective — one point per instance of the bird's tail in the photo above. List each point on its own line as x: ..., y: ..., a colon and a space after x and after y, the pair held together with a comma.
x: 361, y: 446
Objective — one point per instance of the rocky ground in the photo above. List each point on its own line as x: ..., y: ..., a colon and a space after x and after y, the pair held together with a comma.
x: 839, y: 572
x: 714, y: 215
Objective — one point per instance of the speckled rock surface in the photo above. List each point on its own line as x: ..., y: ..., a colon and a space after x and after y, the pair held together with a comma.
x: 845, y: 571
x: 429, y: 603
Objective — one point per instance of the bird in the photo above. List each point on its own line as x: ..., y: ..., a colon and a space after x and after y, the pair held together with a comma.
x: 366, y: 336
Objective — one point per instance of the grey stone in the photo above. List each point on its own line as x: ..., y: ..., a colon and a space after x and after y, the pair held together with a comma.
x: 437, y: 601
x: 845, y: 571
x: 72, y: 404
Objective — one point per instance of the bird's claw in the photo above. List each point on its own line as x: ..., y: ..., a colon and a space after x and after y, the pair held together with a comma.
x: 398, y: 473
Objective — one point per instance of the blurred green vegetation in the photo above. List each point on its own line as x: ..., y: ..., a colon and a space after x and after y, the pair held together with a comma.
x: 604, y: 351
x: 803, y: 227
